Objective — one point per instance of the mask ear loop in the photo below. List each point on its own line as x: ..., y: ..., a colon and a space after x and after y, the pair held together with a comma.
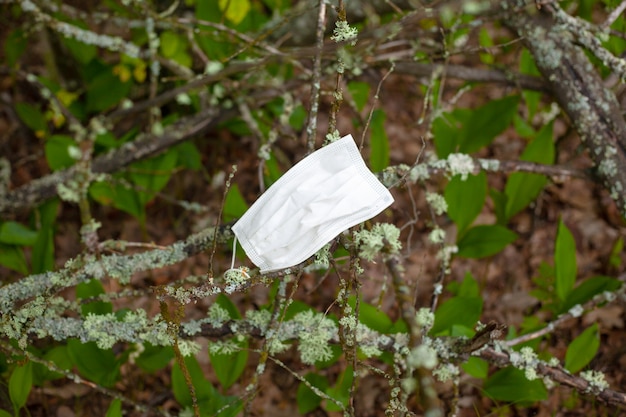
x: 242, y: 270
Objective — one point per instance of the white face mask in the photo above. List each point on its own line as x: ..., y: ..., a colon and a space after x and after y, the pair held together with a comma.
x: 326, y: 193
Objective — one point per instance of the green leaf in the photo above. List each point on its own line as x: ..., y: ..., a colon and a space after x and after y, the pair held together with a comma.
x: 486, y: 122
x: 372, y: 317
x: 115, y: 408
x: 532, y: 98
x: 463, y: 311
x: 485, y: 240
x: 510, y: 384
x: 14, y: 46
x: 57, y: 355
x: 153, y: 174
x: 582, y: 349
x: 306, y: 399
x: 98, y: 365
x: 234, y: 205
x: 341, y: 390
x: 588, y: 289
x: 379, y: 142
x: 119, y: 196
x: 13, y: 258
x: 360, y: 93
x: 105, y: 90
x: 522, y: 188
x: 189, y: 156
x: 57, y: 152
x: 33, y: 118
x: 298, y: 117
x: 204, y: 389
x: 229, y: 367
x: 14, y: 233
x: 4, y: 413
x: 43, y: 249
x: 170, y: 43
x: 476, y: 367
x: 564, y: 261
x: 92, y: 288
x: 465, y: 199
x: 235, y: 10
x: 154, y: 358
x: 20, y: 384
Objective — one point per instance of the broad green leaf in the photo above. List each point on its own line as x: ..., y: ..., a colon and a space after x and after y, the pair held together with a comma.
x: 170, y: 43
x: 92, y: 288
x: 13, y: 258
x: 119, y: 197
x: 476, y: 367
x: 105, y: 90
x: 95, y: 364
x: 4, y: 413
x: 588, y: 289
x: 229, y: 367
x: 189, y: 156
x: 615, y: 259
x: 483, y: 241
x: 465, y: 199
x: 153, y: 358
x: 306, y: 399
x: 582, y: 349
x: 14, y: 46
x: 115, y: 408
x: 372, y: 317
x: 510, y: 384
x: 235, y: 10
x: 360, y: 92
x: 564, y: 261
x: 447, y: 130
x: 33, y: 118
x: 234, y: 205
x: 57, y: 152
x: 469, y: 287
x: 522, y: 188
x: 486, y: 122
x: 153, y: 174
x: 298, y: 117
x: 59, y: 356
x: 499, y: 205
x: 463, y: 311
x: 43, y: 249
x: 379, y: 142
x: 204, y: 389
x: 341, y: 390
x: 20, y: 384
x: 14, y: 233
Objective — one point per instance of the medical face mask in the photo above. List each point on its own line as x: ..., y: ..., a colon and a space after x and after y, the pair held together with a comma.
x: 326, y: 193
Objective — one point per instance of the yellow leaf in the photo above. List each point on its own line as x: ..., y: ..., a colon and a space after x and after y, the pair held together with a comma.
x: 235, y: 10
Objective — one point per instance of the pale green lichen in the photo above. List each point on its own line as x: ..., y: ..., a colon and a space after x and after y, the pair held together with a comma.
x: 259, y: 318
x: 425, y: 318
x: 223, y: 347
x: 422, y: 356
x: 315, y: 333
x: 437, y: 202
x: 460, y: 164
x: 383, y: 238
x: 344, y: 32
x: 446, y: 372
x: 235, y: 279
x: 597, y: 381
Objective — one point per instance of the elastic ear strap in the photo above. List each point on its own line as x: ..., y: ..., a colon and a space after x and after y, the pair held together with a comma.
x: 232, y: 262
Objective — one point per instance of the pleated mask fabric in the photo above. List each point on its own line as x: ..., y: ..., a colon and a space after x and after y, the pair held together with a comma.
x: 321, y: 196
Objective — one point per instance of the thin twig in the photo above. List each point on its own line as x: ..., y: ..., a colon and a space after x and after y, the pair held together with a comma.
x: 316, y: 79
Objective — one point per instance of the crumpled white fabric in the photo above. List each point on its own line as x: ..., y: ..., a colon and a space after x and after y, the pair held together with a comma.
x: 326, y: 193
